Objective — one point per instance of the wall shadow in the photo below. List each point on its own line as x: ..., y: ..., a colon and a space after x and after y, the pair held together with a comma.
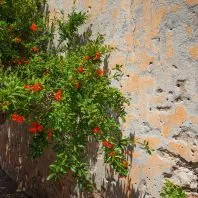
x: 112, y: 186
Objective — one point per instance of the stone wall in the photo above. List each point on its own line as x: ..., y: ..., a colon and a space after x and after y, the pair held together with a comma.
x: 157, y: 43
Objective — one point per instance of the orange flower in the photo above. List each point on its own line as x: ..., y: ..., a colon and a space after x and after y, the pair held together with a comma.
x: 107, y: 144
x: 35, y: 127
x: 58, y: 95
x: 111, y: 154
x: 35, y: 49
x: 86, y: 57
x: 126, y: 164
x: 98, y: 56
x: 36, y: 87
x: 20, y: 62
x: 80, y: 70
x: 77, y: 85
x: 100, y: 72
x: 49, y: 133
x: 26, y: 87
x: 17, y: 40
x: 96, y: 130
x: 17, y: 118
x: 33, y: 27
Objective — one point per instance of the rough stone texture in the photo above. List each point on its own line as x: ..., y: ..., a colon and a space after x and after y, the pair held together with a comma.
x: 156, y: 41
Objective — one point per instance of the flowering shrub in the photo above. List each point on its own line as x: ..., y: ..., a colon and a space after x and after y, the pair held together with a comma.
x: 63, y: 99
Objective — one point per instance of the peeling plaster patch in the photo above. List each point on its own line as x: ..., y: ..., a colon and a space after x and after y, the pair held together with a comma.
x: 192, y: 2
x: 193, y: 51
x: 170, y: 45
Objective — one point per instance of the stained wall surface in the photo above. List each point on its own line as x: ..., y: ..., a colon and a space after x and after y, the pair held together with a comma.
x: 157, y: 43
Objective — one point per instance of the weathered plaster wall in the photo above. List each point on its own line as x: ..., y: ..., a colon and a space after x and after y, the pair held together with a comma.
x: 157, y: 42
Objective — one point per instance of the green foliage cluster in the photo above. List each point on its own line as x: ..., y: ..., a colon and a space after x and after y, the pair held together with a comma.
x: 171, y: 190
x: 64, y: 99
x: 16, y: 37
